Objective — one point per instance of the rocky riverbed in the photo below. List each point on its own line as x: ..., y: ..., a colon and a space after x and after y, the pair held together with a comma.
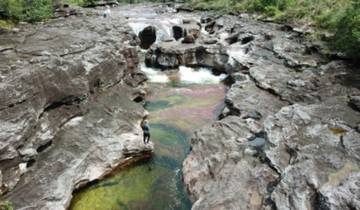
x: 66, y: 109
x: 288, y: 138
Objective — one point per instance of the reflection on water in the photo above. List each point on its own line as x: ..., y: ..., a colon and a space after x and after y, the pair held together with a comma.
x: 156, y: 184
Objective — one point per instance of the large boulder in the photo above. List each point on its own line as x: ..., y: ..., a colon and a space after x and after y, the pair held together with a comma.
x: 172, y: 55
x: 306, y: 153
x: 218, y: 154
x: 147, y: 37
x: 66, y: 108
x: 188, y: 27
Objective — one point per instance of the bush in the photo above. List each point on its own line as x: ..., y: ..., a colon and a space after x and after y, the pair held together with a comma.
x: 26, y: 10
x: 6, y: 206
x: 37, y: 10
x: 11, y: 9
x: 347, y: 32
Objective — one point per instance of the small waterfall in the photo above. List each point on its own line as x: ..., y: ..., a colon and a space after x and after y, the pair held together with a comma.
x: 185, y: 75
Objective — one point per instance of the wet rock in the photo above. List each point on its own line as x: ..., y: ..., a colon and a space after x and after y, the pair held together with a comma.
x: 189, y: 27
x: 355, y: 102
x: 209, y: 41
x: 147, y: 37
x: 171, y: 55
x: 232, y: 38
x: 189, y: 39
x: 257, y: 143
x: 192, y: 27
x: 184, y: 8
x: 210, y: 27
x: 178, y: 32
x: 253, y: 115
x: 246, y: 38
x: 206, y: 19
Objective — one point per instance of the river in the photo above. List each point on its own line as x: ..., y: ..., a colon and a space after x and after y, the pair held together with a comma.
x: 178, y: 104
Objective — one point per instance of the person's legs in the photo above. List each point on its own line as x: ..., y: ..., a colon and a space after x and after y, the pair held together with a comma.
x: 148, y: 138
x: 144, y: 138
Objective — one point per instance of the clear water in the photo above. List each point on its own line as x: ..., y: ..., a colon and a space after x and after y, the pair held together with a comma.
x: 177, y: 108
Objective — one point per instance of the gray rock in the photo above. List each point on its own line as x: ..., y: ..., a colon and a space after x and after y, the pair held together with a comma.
x: 1, y: 183
x: 306, y: 153
x: 355, y: 102
x: 206, y: 19
x: 209, y: 41
x: 189, y: 39
x: 171, y: 55
x: 217, y: 156
x: 311, y: 145
x: 68, y: 118
x: 245, y: 96
x: 258, y: 143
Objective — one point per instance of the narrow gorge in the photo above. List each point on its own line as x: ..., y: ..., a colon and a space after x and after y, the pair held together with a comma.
x: 244, y: 113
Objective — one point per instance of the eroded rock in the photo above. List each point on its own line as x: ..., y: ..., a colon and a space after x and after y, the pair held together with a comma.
x: 355, y: 102
x: 147, y: 37
x: 66, y: 108
x: 204, y: 174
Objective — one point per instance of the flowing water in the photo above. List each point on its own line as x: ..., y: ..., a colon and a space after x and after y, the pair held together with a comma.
x: 177, y: 107
x: 178, y: 104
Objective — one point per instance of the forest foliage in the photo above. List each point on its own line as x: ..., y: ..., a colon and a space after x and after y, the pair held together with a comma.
x: 342, y: 17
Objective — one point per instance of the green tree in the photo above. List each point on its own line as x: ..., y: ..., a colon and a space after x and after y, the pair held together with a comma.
x: 347, y: 37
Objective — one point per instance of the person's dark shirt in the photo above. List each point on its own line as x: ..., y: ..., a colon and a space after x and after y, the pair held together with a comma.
x: 146, y: 128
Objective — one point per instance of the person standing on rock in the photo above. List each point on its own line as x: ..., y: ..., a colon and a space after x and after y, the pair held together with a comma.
x: 146, y: 130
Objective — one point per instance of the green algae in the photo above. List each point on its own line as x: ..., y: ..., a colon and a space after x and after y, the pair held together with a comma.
x: 167, y: 134
x: 132, y: 184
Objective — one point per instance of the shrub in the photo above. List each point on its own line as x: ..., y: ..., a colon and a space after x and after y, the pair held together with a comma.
x: 11, y: 9
x: 6, y: 206
x: 37, y: 10
x: 347, y: 34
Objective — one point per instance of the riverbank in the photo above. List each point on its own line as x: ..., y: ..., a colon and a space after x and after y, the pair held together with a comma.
x: 67, y: 111
x: 287, y: 138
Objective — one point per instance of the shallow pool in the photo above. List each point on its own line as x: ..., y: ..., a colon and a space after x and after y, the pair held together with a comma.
x: 177, y: 108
